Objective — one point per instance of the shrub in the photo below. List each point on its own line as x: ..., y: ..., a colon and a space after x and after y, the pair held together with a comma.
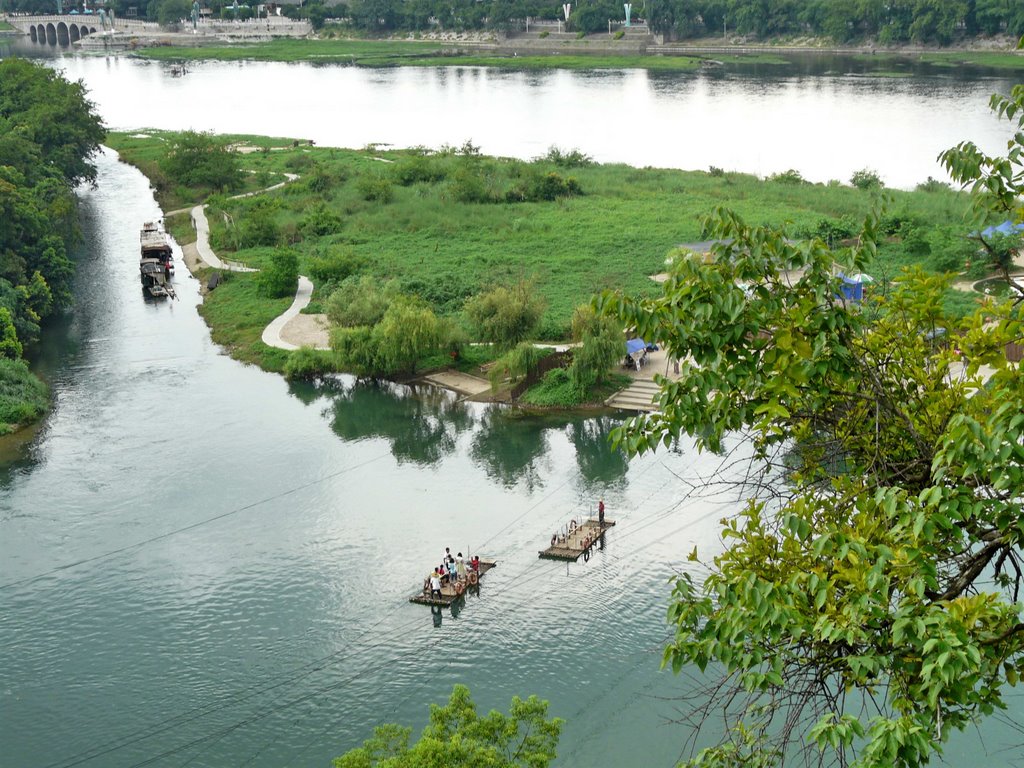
x: 543, y: 34
x: 914, y: 241
x: 506, y: 316
x: 866, y: 179
x: 375, y: 188
x: 200, y: 160
x: 537, y: 187
x: 360, y: 302
x: 571, y: 159
x: 335, y: 266
x: 258, y: 228
x: 280, y: 277
x: 619, y: 34
x: 515, y: 364
x: 320, y: 221
x: 556, y: 390
x: 319, y: 181
x: 23, y: 397
x: 299, y: 162
x: 416, y: 169
x: 309, y: 363
x: 601, y: 348
x: 466, y: 186
x: 792, y: 176
x: 714, y: 170
x: 932, y: 185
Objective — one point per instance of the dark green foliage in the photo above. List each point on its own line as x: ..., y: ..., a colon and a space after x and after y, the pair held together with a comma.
x: 361, y: 302
x: 334, y: 266
x: 932, y: 185
x: 544, y: 187
x: 375, y: 188
x: 418, y: 168
x: 506, y: 315
x: 407, y: 332
x: 866, y: 179
x: 457, y: 736
x: 202, y: 161
x: 791, y: 176
x: 319, y: 221
x: 23, y: 397
x: 571, y: 159
x: 42, y: 114
x: 10, y: 347
x: 309, y: 363
x: 259, y: 228
x: 832, y: 231
x: 48, y: 132
x: 601, y: 347
x: 556, y: 390
x: 281, y: 276
x: 515, y: 364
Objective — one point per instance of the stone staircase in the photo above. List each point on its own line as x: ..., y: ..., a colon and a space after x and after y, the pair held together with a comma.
x: 638, y: 396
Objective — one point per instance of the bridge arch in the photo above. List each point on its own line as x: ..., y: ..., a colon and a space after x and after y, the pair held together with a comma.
x: 40, y: 33
x: 85, y: 31
x: 51, y: 33
x: 33, y: 34
x: 92, y: 30
x: 73, y: 33
x: 63, y: 35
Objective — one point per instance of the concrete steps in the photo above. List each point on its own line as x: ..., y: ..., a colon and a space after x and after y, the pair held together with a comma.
x: 638, y: 396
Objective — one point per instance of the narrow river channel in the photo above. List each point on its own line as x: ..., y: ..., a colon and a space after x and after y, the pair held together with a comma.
x: 203, y: 565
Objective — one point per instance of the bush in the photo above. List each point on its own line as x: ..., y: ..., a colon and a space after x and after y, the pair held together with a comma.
x: 200, y: 160
x: 23, y: 397
x: 571, y: 159
x: 335, y: 266
x: 556, y: 390
x: 416, y: 169
x: 866, y: 179
x: 933, y: 185
x: 515, y: 364
x: 466, y: 186
x: 545, y: 187
x: 792, y: 176
x: 619, y: 34
x: 320, y: 221
x: 258, y: 228
x: 281, y: 276
x: 361, y: 302
x: 543, y: 34
x: 309, y: 363
x: 506, y: 316
x: 714, y: 170
x: 375, y: 189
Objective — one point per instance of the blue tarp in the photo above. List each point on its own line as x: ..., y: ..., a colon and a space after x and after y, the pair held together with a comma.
x: 853, y: 290
x: 635, y: 345
x: 1006, y: 228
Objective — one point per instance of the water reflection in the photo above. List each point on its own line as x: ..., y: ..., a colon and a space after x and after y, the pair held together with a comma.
x: 597, y: 460
x: 511, y: 447
x: 420, y: 422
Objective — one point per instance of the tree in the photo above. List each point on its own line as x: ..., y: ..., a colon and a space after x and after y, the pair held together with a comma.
x: 458, y: 736
x: 279, y: 278
x: 199, y: 160
x: 866, y: 604
x: 601, y: 347
x: 506, y: 315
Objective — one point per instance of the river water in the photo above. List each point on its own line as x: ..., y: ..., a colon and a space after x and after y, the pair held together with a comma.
x: 203, y: 565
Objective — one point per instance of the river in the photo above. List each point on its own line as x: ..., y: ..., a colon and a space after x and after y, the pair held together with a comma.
x: 203, y: 565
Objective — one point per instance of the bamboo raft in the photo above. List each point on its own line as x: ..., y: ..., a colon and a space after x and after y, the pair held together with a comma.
x: 449, y: 592
x: 576, y: 542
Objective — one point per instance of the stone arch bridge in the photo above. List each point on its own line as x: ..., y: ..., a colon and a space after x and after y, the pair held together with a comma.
x: 67, y: 28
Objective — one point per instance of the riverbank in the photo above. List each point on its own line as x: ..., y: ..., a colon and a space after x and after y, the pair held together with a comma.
x: 544, y: 51
x: 446, y: 225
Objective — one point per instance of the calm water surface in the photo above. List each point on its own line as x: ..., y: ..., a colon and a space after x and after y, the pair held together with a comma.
x: 202, y: 565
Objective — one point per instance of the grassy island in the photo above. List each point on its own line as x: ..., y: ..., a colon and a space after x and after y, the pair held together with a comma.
x: 446, y: 225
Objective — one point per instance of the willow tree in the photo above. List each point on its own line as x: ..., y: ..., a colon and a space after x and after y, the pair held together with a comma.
x: 866, y: 603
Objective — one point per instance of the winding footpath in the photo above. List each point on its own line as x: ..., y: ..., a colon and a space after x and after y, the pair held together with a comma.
x: 272, y: 334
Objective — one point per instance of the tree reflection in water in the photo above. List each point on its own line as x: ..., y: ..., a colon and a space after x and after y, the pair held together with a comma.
x: 420, y: 422
x: 597, y: 460
x: 510, y: 445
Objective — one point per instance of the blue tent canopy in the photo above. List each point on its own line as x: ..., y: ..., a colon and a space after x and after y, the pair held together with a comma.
x: 635, y: 345
x: 1006, y: 228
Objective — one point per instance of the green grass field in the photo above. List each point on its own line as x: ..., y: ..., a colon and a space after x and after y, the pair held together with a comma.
x: 5, y: 27
x: 351, y: 51
x: 403, y: 219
